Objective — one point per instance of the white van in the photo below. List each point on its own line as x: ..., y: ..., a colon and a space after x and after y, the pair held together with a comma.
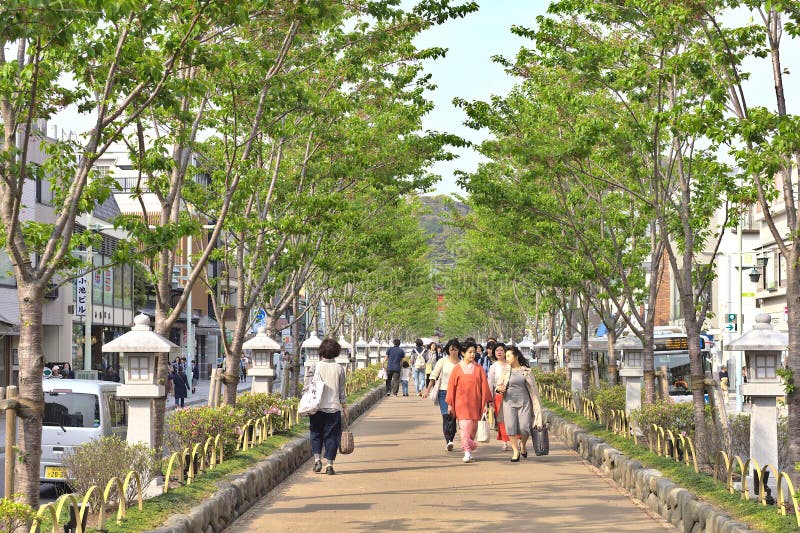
x: 77, y: 411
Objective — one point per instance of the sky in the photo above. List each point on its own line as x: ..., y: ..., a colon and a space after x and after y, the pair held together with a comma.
x: 467, y: 71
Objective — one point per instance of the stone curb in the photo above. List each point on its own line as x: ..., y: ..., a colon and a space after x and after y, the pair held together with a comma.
x: 676, y: 504
x: 239, y: 492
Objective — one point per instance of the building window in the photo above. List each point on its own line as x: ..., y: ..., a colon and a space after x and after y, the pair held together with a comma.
x: 44, y: 192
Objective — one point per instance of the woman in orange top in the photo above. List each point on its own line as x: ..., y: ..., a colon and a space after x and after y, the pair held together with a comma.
x: 468, y: 397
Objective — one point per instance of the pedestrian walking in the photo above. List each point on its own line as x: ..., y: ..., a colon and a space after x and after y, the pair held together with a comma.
x: 724, y: 383
x: 437, y: 388
x: 434, y: 354
x: 468, y: 397
x: 419, y: 360
x: 180, y: 385
x: 522, y: 408
x: 405, y: 374
x: 325, y: 425
x: 393, y: 363
x: 495, y: 376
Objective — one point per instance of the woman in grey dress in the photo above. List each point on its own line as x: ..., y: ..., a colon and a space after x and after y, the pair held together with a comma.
x: 521, y: 405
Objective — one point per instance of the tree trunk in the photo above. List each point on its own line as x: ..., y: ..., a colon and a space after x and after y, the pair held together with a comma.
x: 31, y: 395
x: 698, y: 383
x: 234, y: 357
x: 292, y: 387
x: 586, y: 359
x: 613, y: 370
x: 648, y: 364
x: 793, y: 399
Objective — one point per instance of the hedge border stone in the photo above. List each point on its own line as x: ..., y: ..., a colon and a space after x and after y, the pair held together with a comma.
x: 241, y: 491
x: 648, y: 485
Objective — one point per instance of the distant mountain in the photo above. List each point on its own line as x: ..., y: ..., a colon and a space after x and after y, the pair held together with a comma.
x: 436, y: 211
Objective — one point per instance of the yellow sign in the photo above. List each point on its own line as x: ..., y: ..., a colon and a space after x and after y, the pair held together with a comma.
x: 748, y: 295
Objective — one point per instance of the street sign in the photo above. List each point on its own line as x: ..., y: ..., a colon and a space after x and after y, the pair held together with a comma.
x: 731, y: 317
x: 730, y: 327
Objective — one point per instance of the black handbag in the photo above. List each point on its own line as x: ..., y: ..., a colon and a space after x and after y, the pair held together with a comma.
x: 541, y: 440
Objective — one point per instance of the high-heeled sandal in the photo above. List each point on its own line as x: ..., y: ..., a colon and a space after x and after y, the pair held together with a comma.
x: 515, y: 459
x: 524, y: 453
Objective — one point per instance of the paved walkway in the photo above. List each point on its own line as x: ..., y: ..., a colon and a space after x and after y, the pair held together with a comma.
x: 400, y: 478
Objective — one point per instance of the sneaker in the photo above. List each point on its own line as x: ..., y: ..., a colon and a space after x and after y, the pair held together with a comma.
x: 329, y: 470
x: 317, y: 466
x: 449, y: 446
x: 467, y: 457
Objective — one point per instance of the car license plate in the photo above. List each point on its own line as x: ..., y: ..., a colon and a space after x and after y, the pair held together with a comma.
x: 52, y: 472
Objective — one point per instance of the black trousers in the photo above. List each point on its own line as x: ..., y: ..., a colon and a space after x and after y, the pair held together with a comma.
x: 392, y: 381
x: 326, y: 431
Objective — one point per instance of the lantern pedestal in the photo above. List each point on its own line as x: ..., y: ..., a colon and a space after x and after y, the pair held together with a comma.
x: 139, y: 409
x: 263, y: 378
x: 632, y: 380
x: 361, y: 361
x: 575, y: 375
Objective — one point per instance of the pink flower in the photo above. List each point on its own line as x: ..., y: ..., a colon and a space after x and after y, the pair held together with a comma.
x: 273, y: 411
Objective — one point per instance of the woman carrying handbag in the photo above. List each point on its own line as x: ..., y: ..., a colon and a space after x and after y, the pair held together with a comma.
x: 325, y: 425
x: 522, y: 409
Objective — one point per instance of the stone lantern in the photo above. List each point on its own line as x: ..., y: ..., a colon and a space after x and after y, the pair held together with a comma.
x: 344, y: 355
x: 762, y: 347
x: 362, y: 356
x: 311, y: 348
x: 526, y: 347
x: 263, y: 348
x: 572, y: 353
x: 631, y: 350
x: 139, y: 349
x: 385, y: 345
x: 374, y: 352
x: 542, y: 351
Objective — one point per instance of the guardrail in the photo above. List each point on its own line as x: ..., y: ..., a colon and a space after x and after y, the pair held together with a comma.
x: 665, y: 442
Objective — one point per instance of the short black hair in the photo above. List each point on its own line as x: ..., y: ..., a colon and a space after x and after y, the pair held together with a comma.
x: 452, y: 342
x: 419, y: 342
x: 469, y: 343
x: 396, y: 342
x: 329, y: 348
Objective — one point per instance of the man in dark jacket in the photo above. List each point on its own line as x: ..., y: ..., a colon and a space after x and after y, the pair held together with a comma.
x: 394, y: 362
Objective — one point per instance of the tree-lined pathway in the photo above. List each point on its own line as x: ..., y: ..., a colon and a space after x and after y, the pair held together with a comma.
x: 400, y: 478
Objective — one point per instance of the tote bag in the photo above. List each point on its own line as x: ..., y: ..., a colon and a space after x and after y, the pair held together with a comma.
x: 482, y: 434
x: 312, y: 395
x: 541, y: 440
x: 346, y: 443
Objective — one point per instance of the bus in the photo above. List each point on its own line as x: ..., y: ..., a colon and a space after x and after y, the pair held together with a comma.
x: 671, y: 350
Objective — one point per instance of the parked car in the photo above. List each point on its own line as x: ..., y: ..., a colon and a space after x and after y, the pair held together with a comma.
x: 77, y: 411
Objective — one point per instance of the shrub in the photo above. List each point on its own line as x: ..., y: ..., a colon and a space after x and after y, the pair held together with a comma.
x: 610, y: 398
x: 15, y: 516
x: 558, y: 378
x: 255, y: 405
x: 98, y: 461
x: 675, y: 416
x: 187, y: 427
